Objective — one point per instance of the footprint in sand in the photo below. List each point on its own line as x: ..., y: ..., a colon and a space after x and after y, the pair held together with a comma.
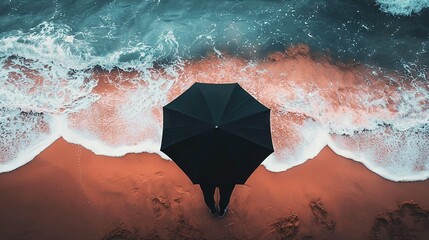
x: 123, y: 233
x: 184, y: 229
x: 321, y: 215
x: 135, y: 190
x: 181, y: 191
x: 286, y: 228
x: 409, y: 221
x: 177, y: 200
x: 160, y: 206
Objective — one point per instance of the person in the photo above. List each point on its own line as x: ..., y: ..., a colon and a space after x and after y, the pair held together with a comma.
x: 225, y: 191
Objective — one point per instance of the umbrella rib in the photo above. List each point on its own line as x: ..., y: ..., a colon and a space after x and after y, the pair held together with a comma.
x: 185, y: 138
x: 226, y: 105
x: 205, y: 103
x: 239, y: 106
x: 242, y: 137
x: 247, y: 139
x: 249, y: 98
x: 190, y: 116
x: 246, y: 116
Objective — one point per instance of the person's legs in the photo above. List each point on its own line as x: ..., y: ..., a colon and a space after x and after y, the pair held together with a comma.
x: 225, y: 191
x: 208, y: 193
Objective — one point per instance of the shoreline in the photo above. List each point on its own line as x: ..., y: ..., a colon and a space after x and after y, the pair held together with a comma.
x: 314, y: 102
x: 68, y: 192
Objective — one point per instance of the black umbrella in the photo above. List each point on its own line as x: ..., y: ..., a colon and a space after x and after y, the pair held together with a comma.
x: 216, y: 133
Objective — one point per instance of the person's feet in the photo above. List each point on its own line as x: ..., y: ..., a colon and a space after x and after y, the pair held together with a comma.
x: 222, y: 212
x: 213, y: 211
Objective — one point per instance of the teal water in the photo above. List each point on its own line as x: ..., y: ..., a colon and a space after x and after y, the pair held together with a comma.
x: 109, y: 33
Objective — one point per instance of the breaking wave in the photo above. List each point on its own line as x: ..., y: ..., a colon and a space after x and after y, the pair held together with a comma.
x: 103, y: 86
x: 402, y: 7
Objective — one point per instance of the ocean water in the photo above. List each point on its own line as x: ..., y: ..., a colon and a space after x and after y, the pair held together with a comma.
x: 350, y: 74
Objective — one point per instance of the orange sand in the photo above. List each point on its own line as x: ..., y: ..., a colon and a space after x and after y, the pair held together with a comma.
x: 68, y: 192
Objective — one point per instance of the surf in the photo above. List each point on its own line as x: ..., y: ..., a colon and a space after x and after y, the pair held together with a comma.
x: 326, y: 77
x: 364, y: 114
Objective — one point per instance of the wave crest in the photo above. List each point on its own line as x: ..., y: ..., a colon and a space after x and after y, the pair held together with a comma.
x: 371, y: 115
x: 402, y: 7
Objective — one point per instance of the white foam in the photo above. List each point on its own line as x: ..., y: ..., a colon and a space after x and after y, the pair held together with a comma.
x: 121, y: 122
x: 363, y: 106
x: 50, y: 76
x: 57, y: 45
x: 303, y: 142
x: 392, y: 154
x: 23, y: 137
x: 45, y: 70
x: 49, y: 43
x: 128, y: 120
x: 101, y: 148
x: 402, y: 7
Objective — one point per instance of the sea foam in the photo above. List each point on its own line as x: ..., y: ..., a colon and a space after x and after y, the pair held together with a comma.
x: 106, y: 91
x: 379, y: 121
x: 24, y: 136
x: 402, y: 7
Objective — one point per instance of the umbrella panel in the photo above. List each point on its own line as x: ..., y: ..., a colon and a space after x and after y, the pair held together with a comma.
x: 217, y: 156
x: 217, y: 133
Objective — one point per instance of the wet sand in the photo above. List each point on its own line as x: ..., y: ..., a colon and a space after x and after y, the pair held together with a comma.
x: 68, y: 192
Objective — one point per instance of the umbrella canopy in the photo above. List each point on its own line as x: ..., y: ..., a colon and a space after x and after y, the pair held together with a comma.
x: 216, y: 133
